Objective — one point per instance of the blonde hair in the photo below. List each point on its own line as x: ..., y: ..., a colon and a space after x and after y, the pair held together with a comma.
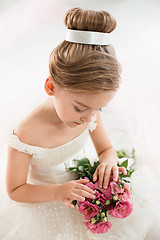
x: 83, y: 67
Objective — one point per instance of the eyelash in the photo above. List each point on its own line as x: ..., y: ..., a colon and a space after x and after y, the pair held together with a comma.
x: 78, y: 110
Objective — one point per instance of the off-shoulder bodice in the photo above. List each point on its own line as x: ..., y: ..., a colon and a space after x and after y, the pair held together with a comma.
x: 49, y: 165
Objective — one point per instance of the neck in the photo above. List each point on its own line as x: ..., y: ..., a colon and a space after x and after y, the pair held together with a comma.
x: 50, y: 114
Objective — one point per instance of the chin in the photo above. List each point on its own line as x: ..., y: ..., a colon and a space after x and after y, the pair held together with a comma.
x: 72, y: 125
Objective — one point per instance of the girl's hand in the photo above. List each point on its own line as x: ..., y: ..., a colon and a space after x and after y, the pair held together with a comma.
x: 103, y: 172
x: 74, y: 190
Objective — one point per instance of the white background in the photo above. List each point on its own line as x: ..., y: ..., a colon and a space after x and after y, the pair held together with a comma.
x: 30, y: 30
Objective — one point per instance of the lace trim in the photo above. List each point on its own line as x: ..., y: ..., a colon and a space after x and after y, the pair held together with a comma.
x: 92, y: 124
x: 35, y: 151
x: 14, y: 142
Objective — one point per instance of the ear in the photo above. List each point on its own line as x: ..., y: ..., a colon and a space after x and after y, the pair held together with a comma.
x: 49, y: 87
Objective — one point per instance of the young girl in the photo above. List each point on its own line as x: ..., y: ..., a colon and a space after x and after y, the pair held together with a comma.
x: 84, y: 77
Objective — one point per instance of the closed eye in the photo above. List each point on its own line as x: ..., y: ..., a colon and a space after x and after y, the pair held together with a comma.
x: 78, y: 110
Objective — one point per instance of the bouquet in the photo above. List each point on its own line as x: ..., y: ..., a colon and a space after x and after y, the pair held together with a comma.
x: 113, y: 201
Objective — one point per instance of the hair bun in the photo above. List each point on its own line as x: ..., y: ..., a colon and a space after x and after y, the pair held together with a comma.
x: 89, y: 20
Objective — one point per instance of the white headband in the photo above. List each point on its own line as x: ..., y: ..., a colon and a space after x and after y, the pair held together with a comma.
x: 87, y: 37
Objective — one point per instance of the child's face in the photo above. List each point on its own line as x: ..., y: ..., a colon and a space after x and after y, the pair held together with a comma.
x: 75, y: 109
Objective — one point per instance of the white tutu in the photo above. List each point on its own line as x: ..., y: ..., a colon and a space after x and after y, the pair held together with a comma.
x: 55, y: 221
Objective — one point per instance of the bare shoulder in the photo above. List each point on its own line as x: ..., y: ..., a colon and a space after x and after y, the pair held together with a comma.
x: 27, y: 130
x: 36, y: 129
x: 40, y: 129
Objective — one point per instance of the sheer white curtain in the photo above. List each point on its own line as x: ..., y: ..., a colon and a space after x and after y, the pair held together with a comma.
x: 31, y: 29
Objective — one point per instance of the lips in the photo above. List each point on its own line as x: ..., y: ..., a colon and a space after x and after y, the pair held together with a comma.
x: 77, y: 123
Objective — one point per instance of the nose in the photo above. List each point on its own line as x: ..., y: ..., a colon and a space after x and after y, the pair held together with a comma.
x: 87, y: 118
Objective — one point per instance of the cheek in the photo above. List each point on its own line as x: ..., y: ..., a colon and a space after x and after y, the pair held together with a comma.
x: 66, y: 112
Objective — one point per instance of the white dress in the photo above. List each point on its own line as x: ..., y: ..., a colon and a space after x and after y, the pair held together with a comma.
x: 55, y: 221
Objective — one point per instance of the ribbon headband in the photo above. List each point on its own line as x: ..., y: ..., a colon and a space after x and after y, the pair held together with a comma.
x: 87, y: 37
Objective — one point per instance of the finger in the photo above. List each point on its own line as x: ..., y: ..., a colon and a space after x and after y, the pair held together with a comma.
x: 123, y: 170
x: 77, y: 196
x: 83, y: 181
x: 68, y: 203
x: 85, y: 188
x: 107, y: 175
x: 95, y: 175
x: 115, y: 173
x: 83, y: 193
x: 101, y: 175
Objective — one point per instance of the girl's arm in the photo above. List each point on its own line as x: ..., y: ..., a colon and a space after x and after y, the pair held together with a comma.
x: 107, y: 155
x: 19, y: 190
x: 16, y: 180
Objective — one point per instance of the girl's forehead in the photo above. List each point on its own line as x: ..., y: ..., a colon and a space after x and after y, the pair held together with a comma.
x: 99, y: 99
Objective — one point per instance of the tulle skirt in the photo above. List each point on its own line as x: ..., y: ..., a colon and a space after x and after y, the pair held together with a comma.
x: 55, y: 221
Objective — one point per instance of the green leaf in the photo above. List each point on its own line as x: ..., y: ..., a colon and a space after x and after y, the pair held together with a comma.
x: 89, y: 175
x: 126, y: 181
x: 86, y: 165
x: 129, y: 172
x: 121, y: 153
x: 113, y: 204
x: 75, y: 171
x: 74, y: 202
x: 122, y: 175
x: 133, y: 152
x: 124, y: 164
x: 118, y: 164
x: 71, y: 168
x: 80, y: 168
x: 83, y: 161
x: 86, y: 169
x: 94, y: 167
x: 81, y: 175
x: 98, y: 214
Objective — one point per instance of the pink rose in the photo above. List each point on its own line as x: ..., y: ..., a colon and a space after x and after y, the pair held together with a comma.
x: 100, y: 197
x: 122, y: 210
x: 106, y: 192
x: 115, y: 189
x: 91, y: 185
x: 123, y: 193
x: 88, y: 209
x: 127, y: 193
x: 101, y: 227
x: 103, y: 196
